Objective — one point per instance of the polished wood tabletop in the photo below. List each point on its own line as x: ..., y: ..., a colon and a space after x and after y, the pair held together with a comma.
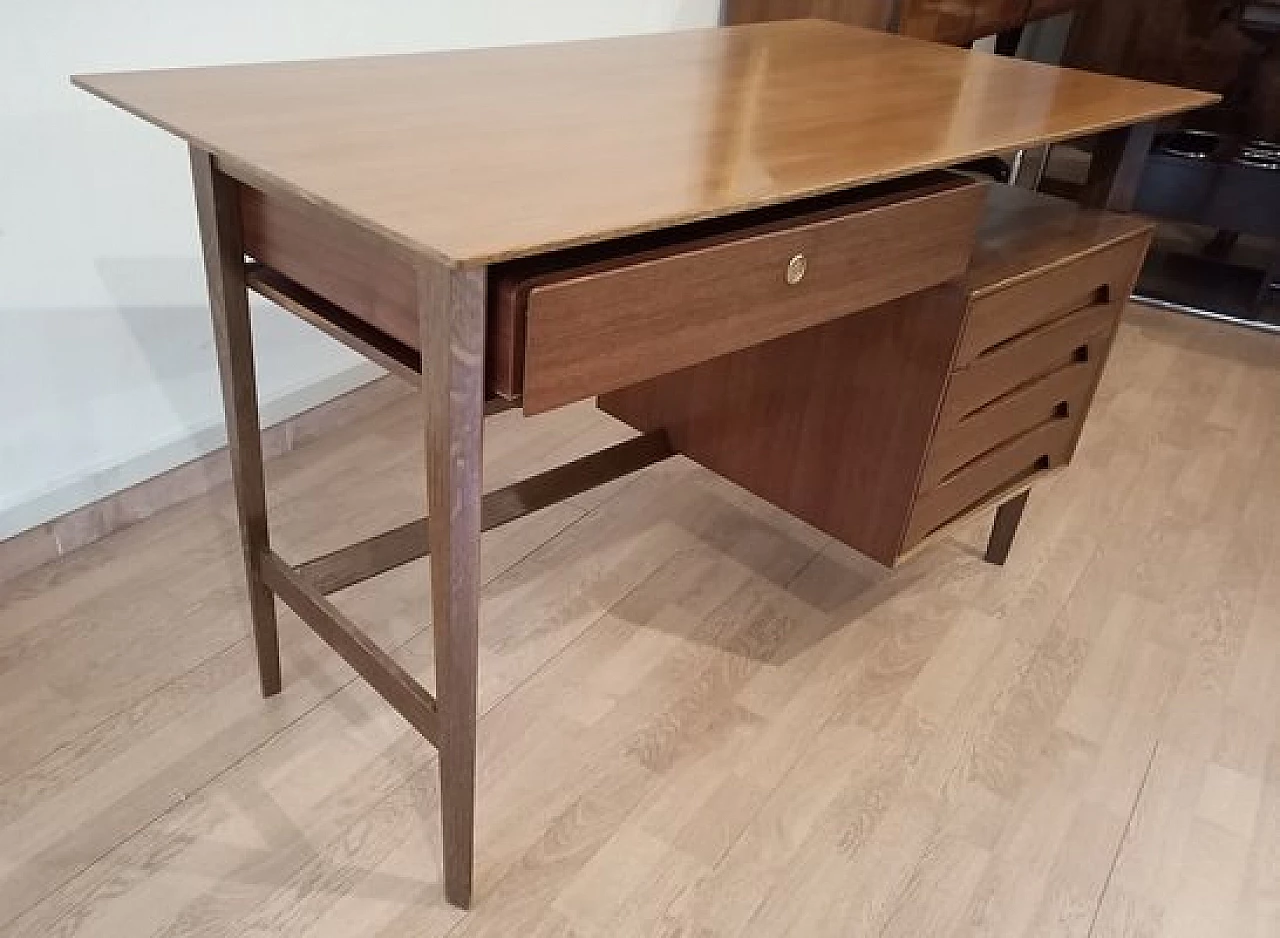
x: 483, y: 155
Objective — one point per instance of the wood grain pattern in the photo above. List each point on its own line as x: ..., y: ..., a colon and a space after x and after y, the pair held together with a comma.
x: 367, y: 292
x: 357, y: 562
x: 1025, y: 236
x: 814, y: 710
x: 332, y: 258
x: 218, y: 210
x: 1097, y: 277
x: 452, y: 317
x: 1081, y: 336
x: 871, y: 14
x: 831, y: 424
x: 1065, y: 392
x: 1214, y: 46
x: 1046, y: 447
x: 399, y: 689
x: 844, y: 424
x: 356, y: 333
x: 951, y: 23
x: 591, y: 332
x: 958, y: 22
x: 478, y: 156
x: 961, y: 22
x: 995, y: 16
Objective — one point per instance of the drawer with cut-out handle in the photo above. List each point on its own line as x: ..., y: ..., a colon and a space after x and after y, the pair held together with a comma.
x: 1097, y: 278
x: 1014, y: 463
x: 1060, y: 395
x: 573, y: 329
x: 1079, y: 338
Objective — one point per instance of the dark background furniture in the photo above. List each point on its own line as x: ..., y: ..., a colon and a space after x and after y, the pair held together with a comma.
x: 957, y: 22
x: 1217, y: 188
x: 1213, y: 177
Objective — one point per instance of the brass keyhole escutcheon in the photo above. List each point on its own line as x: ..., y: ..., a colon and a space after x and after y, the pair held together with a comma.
x: 797, y: 267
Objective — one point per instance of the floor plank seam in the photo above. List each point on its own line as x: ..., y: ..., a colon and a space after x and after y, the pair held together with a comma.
x: 1124, y: 838
x: 230, y: 767
x: 115, y: 714
x: 782, y: 780
x: 1149, y: 605
x: 813, y: 556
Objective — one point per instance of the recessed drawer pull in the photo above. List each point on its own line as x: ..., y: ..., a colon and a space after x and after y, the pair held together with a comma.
x: 1059, y: 413
x: 1013, y: 308
x: 1073, y: 340
x: 1045, y: 447
x: 1092, y: 299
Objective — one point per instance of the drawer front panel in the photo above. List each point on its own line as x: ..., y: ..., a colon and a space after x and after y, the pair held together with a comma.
x: 1063, y: 394
x: 1099, y: 278
x: 610, y: 328
x: 1044, y: 448
x: 1081, y: 337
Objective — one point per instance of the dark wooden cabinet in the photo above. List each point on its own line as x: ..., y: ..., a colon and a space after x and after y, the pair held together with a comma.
x: 958, y: 22
x: 874, y: 14
x: 963, y: 22
x: 1230, y: 47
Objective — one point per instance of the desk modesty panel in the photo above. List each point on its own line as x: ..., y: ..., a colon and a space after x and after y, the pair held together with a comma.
x: 482, y: 155
x: 744, y: 240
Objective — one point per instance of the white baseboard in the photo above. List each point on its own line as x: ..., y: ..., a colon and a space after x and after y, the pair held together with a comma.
x: 73, y: 515
x: 98, y: 483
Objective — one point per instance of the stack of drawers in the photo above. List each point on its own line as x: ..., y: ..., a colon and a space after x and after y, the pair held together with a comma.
x: 1029, y: 355
x: 883, y: 426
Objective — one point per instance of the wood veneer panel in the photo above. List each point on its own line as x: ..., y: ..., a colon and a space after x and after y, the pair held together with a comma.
x: 873, y: 14
x: 333, y: 259
x: 1093, y: 278
x: 478, y: 156
x: 830, y: 423
x: 834, y: 423
x: 1062, y: 393
x: 1024, y: 234
x: 1045, y: 448
x: 1081, y: 336
x: 594, y: 332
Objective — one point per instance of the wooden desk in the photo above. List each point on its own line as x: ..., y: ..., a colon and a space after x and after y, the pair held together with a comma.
x: 551, y: 222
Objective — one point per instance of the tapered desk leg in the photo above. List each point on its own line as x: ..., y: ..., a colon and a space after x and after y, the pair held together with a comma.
x: 1005, y: 527
x: 218, y: 207
x: 452, y: 314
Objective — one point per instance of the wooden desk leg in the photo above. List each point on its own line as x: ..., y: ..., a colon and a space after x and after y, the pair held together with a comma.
x: 1116, y: 169
x: 218, y: 206
x: 452, y: 316
x: 1005, y: 527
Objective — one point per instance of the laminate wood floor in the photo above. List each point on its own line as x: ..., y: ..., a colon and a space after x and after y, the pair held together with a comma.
x: 701, y: 719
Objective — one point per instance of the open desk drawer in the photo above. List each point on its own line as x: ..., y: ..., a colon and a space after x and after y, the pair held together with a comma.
x: 583, y: 324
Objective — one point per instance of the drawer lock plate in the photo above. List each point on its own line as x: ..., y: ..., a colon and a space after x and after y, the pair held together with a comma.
x: 797, y: 267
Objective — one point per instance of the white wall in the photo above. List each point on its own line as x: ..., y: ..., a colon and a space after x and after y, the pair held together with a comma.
x: 106, y: 366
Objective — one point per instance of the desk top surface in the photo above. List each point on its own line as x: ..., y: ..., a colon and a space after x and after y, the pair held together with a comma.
x: 483, y: 155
